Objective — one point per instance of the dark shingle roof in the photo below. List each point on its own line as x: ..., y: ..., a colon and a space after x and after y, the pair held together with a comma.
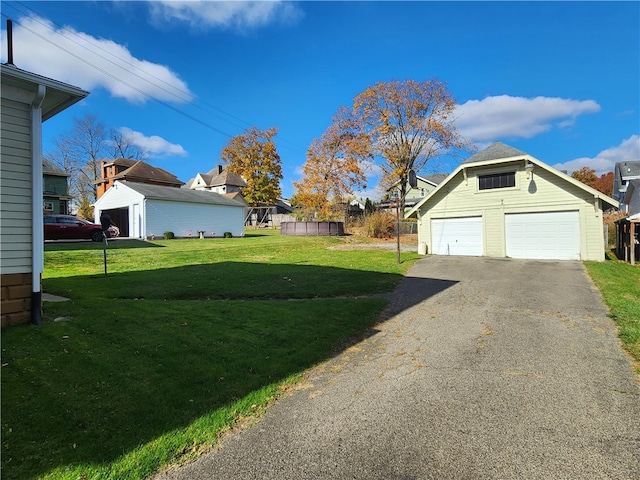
x: 494, y: 152
x: 215, y: 178
x: 436, y: 178
x: 218, y: 177
x: 52, y: 169
x: 144, y: 171
x: 186, y: 195
x: 628, y: 169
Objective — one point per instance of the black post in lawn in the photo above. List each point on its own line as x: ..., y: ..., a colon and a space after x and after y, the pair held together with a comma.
x: 104, y: 249
x: 105, y: 222
x: 400, y: 198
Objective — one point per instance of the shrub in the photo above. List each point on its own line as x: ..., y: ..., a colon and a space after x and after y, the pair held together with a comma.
x: 609, y: 219
x: 379, y: 225
x: 169, y: 235
x: 228, y: 235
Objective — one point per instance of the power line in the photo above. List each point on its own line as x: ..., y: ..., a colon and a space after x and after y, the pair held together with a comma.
x: 150, y: 97
x: 67, y: 33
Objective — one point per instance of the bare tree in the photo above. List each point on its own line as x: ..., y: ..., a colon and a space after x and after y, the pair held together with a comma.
x: 121, y: 145
x: 79, y: 153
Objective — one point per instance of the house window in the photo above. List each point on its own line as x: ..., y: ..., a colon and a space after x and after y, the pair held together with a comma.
x: 496, y: 180
x: 48, y: 206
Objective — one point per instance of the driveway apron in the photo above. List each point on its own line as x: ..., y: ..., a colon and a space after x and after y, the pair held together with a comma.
x: 481, y: 368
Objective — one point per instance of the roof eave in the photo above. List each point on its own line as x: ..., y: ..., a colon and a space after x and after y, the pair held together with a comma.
x: 59, y: 96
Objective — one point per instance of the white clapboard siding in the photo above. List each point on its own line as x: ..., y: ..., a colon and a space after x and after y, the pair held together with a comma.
x: 15, y: 188
x: 186, y: 220
x: 154, y: 210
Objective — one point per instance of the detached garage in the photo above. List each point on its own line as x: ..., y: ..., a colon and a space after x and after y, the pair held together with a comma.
x: 147, y: 211
x: 503, y: 202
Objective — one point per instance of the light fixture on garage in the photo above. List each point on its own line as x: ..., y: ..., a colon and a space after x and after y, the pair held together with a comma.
x: 528, y: 167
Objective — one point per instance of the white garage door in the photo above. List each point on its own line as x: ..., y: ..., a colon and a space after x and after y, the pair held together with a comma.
x: 457, y: 236
x: 553, y: 235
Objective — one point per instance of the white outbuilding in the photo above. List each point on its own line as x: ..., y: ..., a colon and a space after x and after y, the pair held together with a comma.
x: 148, y: 211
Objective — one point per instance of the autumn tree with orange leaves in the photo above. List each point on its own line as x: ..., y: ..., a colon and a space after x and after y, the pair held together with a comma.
x: 334, y: 168
x: 254, y: 157
x: 587, y: 175
x: 604, y: 184
x: 408, y: 123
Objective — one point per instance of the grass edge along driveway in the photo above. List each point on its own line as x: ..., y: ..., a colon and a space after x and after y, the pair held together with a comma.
x: 619, y: 285
x: 181, y: 341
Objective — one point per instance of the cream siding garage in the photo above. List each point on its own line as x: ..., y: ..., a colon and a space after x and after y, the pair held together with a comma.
x: 457, y: 236
x: 505, y: 188
x: 543, y: 235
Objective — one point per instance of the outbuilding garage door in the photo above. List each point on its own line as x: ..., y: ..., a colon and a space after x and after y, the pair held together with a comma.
x: 553, y: 235
x: 457, y: 236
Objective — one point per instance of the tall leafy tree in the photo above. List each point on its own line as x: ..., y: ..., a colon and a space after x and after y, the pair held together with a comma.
x: 408, y: 124
x: 586, y: 175
x: 334, y: 168
x: 604, y: 184
x: 253, y: 156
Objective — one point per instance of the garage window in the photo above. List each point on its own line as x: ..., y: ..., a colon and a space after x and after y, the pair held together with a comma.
x: 497, y: 180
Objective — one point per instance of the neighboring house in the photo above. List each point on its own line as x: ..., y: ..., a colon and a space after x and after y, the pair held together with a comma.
x: 502, y: 202
x: 630, y: 201
x: 425, y: 185
x: 136, y: 171
x: 150, y: 210
x: 27, y: 101
x: 55, y: 189
x: 624, y: 172
x: 217, y: 180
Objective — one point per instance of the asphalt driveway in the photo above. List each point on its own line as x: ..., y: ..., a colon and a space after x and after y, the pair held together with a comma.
x: 484, y: 368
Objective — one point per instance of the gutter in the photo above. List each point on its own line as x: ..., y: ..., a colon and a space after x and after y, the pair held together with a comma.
x: 37, y: 227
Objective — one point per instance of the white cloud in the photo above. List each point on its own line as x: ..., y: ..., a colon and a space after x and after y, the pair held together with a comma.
x: 90, y: 63
x: 229, y: 14
x: 506, y: 117
x: 603, y: 162
x: 154, y: 145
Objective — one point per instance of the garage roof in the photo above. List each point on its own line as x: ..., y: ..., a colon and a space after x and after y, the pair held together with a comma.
x: 499, y: 153
x: 184, y: 195
x: 493, y: 152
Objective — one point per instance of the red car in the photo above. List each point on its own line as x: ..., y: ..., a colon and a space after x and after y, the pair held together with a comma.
x: 68, y: 227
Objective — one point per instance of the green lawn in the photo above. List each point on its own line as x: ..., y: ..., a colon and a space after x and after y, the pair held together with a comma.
x: 619, y: 283
x: 180, y: 341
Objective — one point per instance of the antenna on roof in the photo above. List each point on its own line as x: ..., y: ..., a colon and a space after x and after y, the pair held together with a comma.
x: 9, y: 42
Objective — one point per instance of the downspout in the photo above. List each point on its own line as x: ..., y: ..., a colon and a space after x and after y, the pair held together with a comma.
x: 37, y: 227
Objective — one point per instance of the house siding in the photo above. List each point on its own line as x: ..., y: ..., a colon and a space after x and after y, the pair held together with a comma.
x: 15, y: 210
x: 15, y: 188
x: 545, y: 192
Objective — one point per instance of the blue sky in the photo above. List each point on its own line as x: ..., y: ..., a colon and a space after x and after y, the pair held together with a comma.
x: 558, y: 80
